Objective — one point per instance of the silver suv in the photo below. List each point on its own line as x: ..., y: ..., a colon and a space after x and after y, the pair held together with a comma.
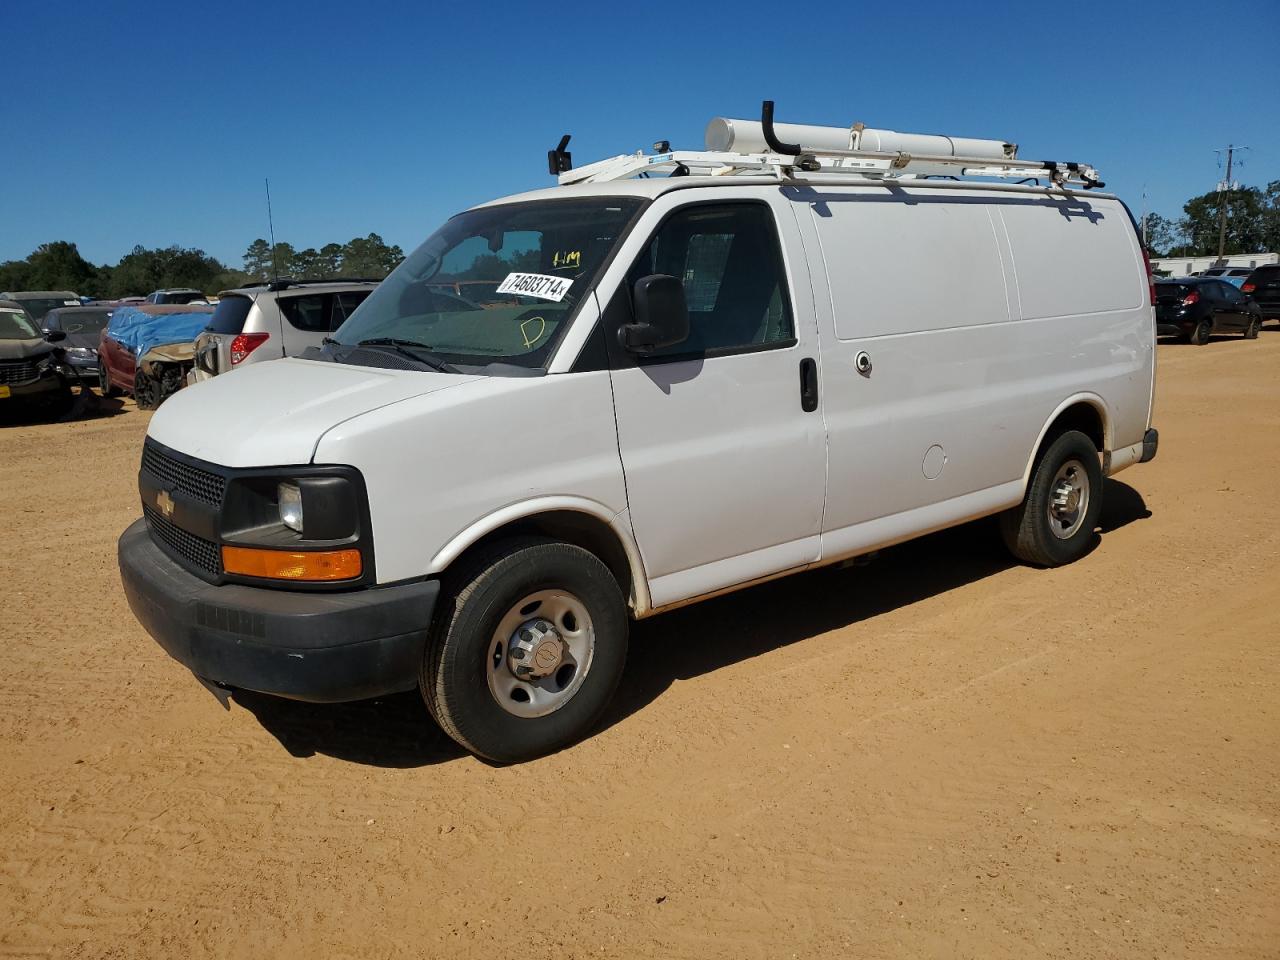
x: 272, y: 320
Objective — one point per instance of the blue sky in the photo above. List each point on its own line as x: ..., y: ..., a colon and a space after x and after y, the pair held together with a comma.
x: 155, y: 124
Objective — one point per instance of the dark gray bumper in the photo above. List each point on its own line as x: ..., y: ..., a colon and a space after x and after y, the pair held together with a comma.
x: 323, y: 647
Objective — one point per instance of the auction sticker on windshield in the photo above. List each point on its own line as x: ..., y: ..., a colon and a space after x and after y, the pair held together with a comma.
x: 536, y: 285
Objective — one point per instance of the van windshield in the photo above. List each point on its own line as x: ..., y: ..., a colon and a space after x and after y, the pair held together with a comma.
x: 497, y: 285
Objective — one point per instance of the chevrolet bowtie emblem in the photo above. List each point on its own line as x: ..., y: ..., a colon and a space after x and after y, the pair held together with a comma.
x: 165, y: 503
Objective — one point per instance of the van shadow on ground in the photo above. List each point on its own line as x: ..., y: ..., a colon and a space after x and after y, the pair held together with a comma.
x: 398, y: 732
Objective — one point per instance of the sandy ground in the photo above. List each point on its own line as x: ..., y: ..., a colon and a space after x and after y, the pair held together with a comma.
x: 939, y: 754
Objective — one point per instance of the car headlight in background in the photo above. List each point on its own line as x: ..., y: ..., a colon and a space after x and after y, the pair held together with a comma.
x: 81, y: 353
x: 289, y: 498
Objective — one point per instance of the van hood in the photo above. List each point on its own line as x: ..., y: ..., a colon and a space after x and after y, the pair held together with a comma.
x: 274, y: 414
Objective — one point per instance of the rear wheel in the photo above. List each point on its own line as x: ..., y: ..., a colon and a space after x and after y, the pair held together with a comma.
x: 1055, y: 522
x: 1251, y: 331
x: 526, y: 650
x: 1200, y: 335
x: 105, y: 387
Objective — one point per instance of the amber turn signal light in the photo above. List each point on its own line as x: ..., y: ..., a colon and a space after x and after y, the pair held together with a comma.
x: 292, y: 565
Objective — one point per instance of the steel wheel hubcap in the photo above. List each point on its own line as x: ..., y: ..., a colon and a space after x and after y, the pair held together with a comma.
x: 1068, y: 499
x: 540, y: 653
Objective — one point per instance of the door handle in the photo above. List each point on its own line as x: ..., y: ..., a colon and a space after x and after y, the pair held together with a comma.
x: 808, y: 385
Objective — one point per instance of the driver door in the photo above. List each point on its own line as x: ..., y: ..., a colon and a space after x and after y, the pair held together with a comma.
x: 725, y: 467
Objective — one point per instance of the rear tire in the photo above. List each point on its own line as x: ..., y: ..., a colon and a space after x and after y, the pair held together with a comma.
x: 1054, y: 524
x: 1200, y: 335
x: 1251, y: 331
x: 531, y: 592
x: 105, y: 387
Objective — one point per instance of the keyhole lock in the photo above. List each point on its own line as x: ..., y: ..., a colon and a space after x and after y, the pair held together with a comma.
x: 862, y: 363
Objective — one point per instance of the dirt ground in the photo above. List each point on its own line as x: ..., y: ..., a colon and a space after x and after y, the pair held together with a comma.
x: 940, y: 754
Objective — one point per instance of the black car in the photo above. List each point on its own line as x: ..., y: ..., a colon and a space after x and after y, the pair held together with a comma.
x: 1263, y: 287
x: 31, y: 370
x: 1193, y: 308
x: 83, y: 327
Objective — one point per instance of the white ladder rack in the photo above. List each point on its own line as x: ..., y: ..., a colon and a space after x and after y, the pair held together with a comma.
x: 795, y: 161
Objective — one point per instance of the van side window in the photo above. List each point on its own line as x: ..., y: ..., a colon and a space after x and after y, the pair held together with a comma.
x: 727, y: 256
x: 305, y: 313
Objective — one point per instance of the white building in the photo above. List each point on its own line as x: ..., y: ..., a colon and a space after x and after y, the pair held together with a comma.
x: 1187, y: 266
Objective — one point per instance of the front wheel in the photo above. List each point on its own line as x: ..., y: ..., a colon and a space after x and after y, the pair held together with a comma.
x: 105, y: 387
x: 526, y: 650
x: 1055, y: 522
x: 146, y: 391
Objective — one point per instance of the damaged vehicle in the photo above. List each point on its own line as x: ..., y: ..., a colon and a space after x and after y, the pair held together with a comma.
x: 32, y: 366
x: 148, y: 350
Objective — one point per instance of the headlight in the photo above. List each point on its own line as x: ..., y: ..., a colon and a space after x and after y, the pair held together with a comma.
x: 289, y: 497
x: 80, y: 353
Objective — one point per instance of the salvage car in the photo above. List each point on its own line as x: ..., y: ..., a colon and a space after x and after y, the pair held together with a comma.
x: 83, y: 327
x: 31, y: 368
x: 268, y: 321
x: 148, y: 350
x: 720, y: 372
x: 1195, y: 308
x: 1262, y: 286
x: 39, y: 302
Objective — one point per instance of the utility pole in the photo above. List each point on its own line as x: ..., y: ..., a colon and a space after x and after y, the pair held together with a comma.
x: 1224, y: 191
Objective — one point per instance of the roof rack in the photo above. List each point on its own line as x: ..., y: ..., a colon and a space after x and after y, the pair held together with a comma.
x: 738, y: 147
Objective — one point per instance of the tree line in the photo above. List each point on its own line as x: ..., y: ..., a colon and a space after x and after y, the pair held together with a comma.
x: 1253, y: 224
x: 59, y: 266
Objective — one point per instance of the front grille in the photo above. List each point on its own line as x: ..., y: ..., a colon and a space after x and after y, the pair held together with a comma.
x: 197, y: 551
x: 17, y: 371
x: 183, y: 478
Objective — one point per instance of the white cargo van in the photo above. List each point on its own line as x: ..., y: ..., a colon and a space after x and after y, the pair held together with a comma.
x: 619, y: 395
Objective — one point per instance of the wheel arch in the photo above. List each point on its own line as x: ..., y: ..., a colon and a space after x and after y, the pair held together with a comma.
x: 1086, y: 412
x: 584, y: 523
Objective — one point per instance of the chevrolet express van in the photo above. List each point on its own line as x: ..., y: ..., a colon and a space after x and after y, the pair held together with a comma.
x: 672, y: 387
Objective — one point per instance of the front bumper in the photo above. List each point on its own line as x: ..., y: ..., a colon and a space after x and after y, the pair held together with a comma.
x: 42, y: 388
x: 322, y: 647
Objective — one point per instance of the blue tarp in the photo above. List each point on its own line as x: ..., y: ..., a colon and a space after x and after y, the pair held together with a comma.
x: 141, y: 331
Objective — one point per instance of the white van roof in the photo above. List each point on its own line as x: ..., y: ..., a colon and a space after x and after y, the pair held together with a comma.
x: 649, y: 189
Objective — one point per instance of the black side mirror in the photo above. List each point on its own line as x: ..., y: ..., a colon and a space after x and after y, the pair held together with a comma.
x: 55, y: 336
x: 662, y: 316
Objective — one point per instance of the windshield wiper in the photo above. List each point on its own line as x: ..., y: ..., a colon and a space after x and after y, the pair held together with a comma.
x: 410, y: 348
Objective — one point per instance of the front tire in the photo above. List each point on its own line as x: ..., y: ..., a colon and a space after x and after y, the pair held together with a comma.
x: 1054, y: 524
x: 146, y: 391
x: 526, y: 650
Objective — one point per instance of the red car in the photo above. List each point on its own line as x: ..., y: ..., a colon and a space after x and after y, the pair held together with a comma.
x: 150, y: 378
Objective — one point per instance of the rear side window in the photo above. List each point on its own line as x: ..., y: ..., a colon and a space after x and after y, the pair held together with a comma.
x: 728, y: 258
x: 1265, y: 275
x: 229, y: 314
x: 344, y: 304
x: 306, y: 313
